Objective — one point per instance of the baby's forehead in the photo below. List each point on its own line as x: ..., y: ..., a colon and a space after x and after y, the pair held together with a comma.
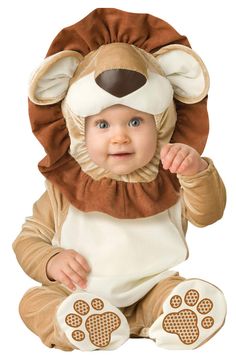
x: 120, y: 109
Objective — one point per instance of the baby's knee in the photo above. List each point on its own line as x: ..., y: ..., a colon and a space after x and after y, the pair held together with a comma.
x: 27, y: 304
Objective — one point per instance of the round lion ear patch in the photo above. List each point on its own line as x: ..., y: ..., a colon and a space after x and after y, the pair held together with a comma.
x: 120, y: 82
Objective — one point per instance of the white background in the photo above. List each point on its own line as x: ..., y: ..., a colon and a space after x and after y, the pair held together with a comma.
x: 27, y: 29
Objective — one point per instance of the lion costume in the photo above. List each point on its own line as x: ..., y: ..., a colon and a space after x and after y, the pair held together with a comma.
x: 131, y: 228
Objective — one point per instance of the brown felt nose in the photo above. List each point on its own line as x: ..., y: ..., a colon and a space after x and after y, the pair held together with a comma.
x: 120, y: 82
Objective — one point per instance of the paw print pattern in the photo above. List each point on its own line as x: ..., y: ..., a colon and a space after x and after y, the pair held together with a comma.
x: 99, y: 326
x: 184, y: 323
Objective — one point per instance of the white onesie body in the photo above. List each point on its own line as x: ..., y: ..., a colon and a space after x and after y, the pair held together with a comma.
x: 127, y: 256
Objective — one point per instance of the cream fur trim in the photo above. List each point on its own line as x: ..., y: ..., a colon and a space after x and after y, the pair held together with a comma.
x: 86, y: 98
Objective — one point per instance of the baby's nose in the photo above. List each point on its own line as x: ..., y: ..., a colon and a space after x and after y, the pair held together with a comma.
x: 120, y: 138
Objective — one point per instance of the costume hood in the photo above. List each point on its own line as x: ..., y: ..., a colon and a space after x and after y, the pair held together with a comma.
x: 115, y: 57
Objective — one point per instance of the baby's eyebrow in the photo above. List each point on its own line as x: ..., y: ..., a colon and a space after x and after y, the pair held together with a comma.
x: 109, y: 120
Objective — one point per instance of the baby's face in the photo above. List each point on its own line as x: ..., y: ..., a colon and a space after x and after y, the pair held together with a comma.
x: 121, y: 139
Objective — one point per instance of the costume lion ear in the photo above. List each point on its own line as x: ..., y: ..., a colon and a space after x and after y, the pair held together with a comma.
x: 50, y: 81
x: 186, y: 72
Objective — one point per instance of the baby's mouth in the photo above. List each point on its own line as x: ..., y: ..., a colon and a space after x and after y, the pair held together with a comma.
x: 122, y: 155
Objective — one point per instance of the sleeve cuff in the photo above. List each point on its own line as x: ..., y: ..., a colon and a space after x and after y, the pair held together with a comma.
x: 208, y: 171
x: 44, y: 278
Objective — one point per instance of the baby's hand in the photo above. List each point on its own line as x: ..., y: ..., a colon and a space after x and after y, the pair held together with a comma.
x: 182, y: 159
x: 68, y: 267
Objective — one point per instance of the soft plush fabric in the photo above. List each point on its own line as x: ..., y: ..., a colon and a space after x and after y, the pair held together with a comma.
x: 130, y: 228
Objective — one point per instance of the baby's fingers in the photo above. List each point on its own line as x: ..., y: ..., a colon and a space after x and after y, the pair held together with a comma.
x: 76, y: 277
x: 178, y: 161
x: 83, y: 262
x: 186, y: 166
x: 64, y: 279
x: 78, y: 269
x: 164, y: 151
x: 168, y: 155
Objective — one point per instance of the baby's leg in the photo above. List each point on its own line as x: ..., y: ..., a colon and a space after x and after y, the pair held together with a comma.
x: 192, y: 313
x: 38, y: 308
x: 178, y: 313
x: 73, y: 321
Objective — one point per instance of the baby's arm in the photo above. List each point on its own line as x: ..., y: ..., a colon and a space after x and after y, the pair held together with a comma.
x: 34, y: 250
x: 202, y: 188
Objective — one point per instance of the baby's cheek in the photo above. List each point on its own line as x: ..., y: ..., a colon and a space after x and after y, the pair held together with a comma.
x: 99, y: 156
x: 153, y: 145
x: 147, y: 155
x: 93, y: 152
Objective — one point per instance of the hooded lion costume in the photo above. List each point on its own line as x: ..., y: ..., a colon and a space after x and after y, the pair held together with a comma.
x: 109, y: 58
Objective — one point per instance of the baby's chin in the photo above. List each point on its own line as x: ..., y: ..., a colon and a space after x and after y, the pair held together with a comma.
x: 122, y: 167
x: 123, y: 171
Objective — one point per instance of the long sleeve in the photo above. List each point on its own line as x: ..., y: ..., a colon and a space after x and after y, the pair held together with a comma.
x: 33, y: 246
x: 204, y: 196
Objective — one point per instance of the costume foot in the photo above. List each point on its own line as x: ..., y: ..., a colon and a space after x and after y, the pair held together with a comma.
x: 194, y: 311
x: 91, y: 322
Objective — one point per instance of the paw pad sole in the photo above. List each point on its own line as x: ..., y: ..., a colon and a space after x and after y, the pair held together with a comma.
x: 92, y: 323
x: 184, y: 324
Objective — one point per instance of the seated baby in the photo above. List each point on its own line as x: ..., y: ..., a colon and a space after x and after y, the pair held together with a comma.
x: 111, y: 224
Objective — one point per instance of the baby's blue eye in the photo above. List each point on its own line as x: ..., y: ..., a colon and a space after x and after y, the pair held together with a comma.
x: 102, y: 124
x: 135, y: 122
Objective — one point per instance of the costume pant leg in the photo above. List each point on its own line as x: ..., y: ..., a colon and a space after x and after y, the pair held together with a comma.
x: 143, y: 313
x: 38, y: 308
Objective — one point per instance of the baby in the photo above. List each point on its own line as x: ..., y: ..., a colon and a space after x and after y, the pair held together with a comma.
x: 121, y: 140
x: 120, y: 190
